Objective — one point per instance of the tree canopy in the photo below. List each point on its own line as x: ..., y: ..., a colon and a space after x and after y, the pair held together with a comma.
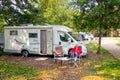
x: 96, y: 15
x: 15, y: 12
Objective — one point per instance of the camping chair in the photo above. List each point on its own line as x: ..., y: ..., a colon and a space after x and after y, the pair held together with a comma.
x: 58, y: 53
x: 75, y: 61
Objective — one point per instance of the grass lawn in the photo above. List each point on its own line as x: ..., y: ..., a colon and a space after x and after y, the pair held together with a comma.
x: 94, y: 67
x: 14, y: 71
x: 106, y: 65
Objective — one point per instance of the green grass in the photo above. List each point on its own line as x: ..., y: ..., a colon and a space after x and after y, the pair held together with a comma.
x: 110, y: 68
x: 14, y: 71
x: 93, y: 48
x: 106, y: 65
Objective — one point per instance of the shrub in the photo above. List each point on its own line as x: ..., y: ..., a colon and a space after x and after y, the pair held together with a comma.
x: 1, y: 51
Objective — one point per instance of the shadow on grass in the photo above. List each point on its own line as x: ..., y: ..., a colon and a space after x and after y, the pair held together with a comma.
x: 14, y: 71
x: 108, y: 67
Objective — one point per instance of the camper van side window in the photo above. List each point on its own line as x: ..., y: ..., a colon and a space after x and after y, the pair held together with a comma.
x: 32, y: 35
x: 13, y: 32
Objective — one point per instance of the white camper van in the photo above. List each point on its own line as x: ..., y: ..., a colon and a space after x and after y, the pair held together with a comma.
x: 39, y: 39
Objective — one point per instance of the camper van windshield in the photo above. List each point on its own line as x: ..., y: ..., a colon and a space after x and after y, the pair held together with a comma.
x: 75, y: 36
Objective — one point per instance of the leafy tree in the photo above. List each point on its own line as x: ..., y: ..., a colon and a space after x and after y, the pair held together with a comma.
x: 1, y: 26
x: 55, y: 12
x: 15, y: 12
x: 99, y: 15
x: 1, y: 23
x: 106, y: 14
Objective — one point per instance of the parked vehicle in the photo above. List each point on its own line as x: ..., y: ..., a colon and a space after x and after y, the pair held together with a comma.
x: 39, y: 39
x: 87, y: 36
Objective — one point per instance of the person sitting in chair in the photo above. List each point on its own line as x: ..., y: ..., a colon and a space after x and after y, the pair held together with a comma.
x: 76, y: 52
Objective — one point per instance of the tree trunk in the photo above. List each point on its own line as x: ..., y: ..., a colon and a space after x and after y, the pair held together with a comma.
x: 100, y: 34
x: 99, y: 42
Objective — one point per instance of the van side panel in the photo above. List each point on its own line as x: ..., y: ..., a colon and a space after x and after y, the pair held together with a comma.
x: 32, y: 40
x: 18, y: 39
x: 14, y: 40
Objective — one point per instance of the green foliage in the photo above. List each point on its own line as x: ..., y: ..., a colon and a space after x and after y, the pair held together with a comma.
x: 20, y: 12
x: 37, y: 12
x: 1, y: 26
x: 55, y: 12
x: 99, y: 17
x: 11, y: 71
x: 1, y: 51
x: 106, y: 14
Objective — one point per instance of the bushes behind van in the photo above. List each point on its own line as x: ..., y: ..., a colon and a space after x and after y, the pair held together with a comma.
x: 1, y: 51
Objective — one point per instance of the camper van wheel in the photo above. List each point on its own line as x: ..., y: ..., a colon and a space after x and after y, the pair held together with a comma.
x: 25, y: 53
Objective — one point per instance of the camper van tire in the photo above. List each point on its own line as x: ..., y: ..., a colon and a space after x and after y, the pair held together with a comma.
x: 25, y: 53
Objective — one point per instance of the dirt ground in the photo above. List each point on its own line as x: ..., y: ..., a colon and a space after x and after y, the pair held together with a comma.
x: 67, y: 71
x: 49, y: 63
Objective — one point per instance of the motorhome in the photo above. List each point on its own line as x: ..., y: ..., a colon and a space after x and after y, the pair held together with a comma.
x: 40, y: 39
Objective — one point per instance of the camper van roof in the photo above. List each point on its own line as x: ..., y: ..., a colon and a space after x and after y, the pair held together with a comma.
x: 61, y: 28
x: 55, y: 27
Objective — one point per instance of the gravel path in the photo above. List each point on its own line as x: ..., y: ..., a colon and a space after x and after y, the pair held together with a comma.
x: 110, y: 45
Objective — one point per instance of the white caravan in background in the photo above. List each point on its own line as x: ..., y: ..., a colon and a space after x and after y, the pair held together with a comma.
x: 39, y: 39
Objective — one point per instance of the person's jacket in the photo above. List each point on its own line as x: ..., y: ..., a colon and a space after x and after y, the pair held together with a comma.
x: 77, y: 50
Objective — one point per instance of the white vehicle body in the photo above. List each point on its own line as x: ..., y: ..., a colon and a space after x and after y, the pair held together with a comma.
x: 39, y: 39
x: 86, y: 36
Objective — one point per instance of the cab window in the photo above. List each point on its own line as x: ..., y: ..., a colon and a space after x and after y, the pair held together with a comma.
x: 63, y: 37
